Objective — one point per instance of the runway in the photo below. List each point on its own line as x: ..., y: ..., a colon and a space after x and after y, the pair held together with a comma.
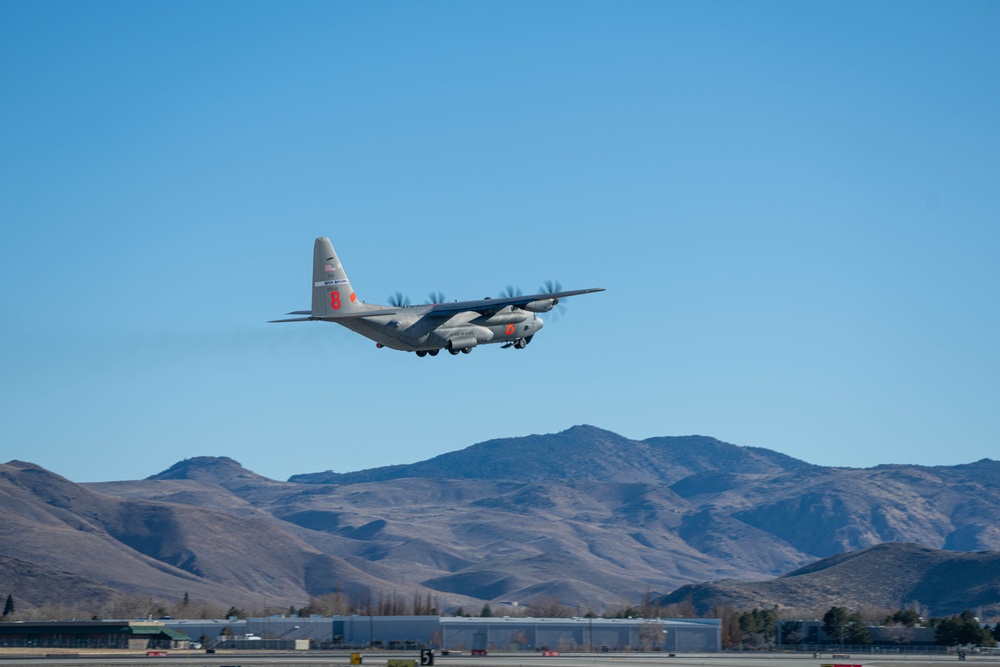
x: 381, y: 659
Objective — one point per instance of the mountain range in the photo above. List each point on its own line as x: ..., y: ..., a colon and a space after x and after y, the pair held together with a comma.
x: 584, y: 517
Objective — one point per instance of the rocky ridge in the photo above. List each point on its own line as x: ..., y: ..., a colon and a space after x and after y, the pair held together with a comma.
x: 585, y: 516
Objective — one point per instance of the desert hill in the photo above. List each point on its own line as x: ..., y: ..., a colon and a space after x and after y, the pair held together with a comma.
x: 585, y: 517
x: 581, y: 452
x: 82, y: 543
x: 893, y: 576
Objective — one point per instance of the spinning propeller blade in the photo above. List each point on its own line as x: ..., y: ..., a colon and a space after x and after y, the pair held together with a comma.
x: 399, y: 300
x: 551, y: 287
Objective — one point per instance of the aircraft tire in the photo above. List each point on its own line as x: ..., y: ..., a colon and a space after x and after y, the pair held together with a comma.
x: 433, y: 353
x: 421, y: 353
x: 466, y: 350
x: 453, y: 350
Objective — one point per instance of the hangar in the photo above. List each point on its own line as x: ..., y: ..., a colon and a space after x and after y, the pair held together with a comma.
x: 91, y: 634
x: 582, y: 634
x: 468, y: 633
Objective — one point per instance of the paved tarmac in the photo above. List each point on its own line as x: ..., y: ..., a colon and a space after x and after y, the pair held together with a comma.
x: 380, y: 659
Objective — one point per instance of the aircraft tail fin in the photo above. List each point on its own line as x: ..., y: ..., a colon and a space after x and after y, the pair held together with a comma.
x: 332, y: 293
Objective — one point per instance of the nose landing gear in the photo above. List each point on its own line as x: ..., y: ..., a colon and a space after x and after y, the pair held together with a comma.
x: 517, y: 344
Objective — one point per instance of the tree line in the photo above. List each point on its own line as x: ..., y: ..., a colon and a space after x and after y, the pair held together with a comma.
x: 764, y: 627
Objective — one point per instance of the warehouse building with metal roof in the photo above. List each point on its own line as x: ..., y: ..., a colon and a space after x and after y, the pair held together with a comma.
x: 465, y: 633
x: 91, y: 634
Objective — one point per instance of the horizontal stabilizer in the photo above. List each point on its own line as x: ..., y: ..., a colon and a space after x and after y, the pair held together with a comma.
x: 367, y: 313
x: 336, y: 318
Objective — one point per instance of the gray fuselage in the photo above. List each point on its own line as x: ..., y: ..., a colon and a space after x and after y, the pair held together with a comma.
x: 418, y: 328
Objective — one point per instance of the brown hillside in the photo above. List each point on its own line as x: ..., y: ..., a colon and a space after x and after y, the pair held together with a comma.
x: 587, y: 517
x: 892, y: 576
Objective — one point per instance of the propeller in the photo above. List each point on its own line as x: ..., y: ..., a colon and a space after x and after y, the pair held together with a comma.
x: 399, y: 300
x: 511, y: 291
x: 551, y: 287
x: 436, y: 297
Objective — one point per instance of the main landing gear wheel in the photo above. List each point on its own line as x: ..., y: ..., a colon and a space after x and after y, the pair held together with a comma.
x: 521, y: 343
x: 466, y: 350
x: 421, y: 353
x: 453, y: 350
x: 433, y: 353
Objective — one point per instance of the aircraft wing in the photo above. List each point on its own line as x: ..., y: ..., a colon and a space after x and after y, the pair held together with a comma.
x: 487, y: 306
x: 481, y: 306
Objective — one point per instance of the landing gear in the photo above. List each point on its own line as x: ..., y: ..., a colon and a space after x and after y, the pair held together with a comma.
x: 433, y: 353
x: 421, y: 353
x: 466, y: 350
x: 452, y: 350
x: 518, y: 344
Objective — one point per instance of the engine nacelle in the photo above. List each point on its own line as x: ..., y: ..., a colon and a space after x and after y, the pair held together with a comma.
x: 541, y: 305
x: 505, y: 316
x: 461, y: 342
x: 466, y: 336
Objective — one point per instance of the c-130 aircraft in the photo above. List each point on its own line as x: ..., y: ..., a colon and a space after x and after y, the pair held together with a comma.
x: 457, y: 326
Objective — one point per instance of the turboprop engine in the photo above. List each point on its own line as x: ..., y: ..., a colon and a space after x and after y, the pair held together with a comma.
x: 510, y: 315
x: 541, y: 305
x: 464, y: 337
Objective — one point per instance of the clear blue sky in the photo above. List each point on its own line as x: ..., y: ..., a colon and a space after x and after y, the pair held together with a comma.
x: 794, y: 207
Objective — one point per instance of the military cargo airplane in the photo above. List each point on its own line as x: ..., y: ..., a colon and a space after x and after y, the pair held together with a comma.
x: 457, y: 326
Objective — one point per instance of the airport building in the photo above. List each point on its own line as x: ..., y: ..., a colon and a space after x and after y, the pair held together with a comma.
x: 811, y: 633
x: 463, y: 633
x: 91, y: 634
x: 688, y: 635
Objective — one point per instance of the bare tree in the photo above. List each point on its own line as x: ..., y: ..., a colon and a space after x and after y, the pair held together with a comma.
x: 330, y: 604
x: 899, y: 633
x: 682, y: 609
x: 650, y: 634
x: 423, y: 605
x: 547, y: 607
x: 731, y: 633
x: 873, y: 615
